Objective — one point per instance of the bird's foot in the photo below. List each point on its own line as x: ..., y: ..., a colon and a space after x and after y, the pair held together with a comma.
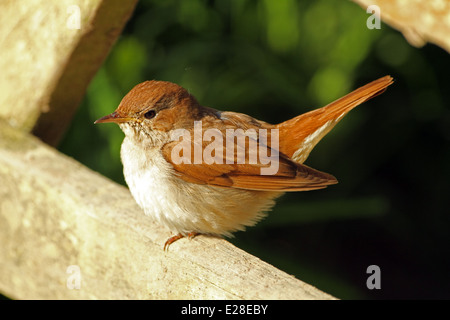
x: 177, y: 237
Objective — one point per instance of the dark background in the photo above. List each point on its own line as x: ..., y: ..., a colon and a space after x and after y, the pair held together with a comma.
x: 275, y: 60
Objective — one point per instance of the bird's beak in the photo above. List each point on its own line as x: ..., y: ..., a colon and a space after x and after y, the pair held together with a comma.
x: 113, y: 117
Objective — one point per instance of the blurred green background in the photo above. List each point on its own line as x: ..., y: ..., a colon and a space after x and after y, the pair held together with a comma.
x: 275, y: 60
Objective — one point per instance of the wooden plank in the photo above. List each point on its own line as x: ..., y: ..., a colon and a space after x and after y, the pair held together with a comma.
x: 63, y: 227
x: 50, y: 51
x: 420, y: 21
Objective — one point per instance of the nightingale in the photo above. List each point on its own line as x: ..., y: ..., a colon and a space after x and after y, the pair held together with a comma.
x: 198, y: 170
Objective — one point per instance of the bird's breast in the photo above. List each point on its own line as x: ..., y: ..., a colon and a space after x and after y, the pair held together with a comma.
x: 188, y: 207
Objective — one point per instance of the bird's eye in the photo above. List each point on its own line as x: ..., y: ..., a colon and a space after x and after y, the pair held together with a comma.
x: 150, y: 114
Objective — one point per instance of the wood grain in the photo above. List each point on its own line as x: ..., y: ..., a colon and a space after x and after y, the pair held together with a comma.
x: 47, y: 62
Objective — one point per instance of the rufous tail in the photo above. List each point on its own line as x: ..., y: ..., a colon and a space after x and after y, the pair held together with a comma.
x: 299, y: 135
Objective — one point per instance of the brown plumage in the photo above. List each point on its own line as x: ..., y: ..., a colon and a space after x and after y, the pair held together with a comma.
x: 179, y: 167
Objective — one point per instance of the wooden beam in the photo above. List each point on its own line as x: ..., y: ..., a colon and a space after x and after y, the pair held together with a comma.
x: 420, y: 21
x: 50, y: 51
x: 67, y: 232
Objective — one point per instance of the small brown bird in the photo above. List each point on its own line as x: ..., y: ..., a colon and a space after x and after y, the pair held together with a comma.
x: 198, y: 170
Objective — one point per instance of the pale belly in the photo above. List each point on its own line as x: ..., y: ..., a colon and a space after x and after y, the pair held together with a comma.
x: 187, y: 207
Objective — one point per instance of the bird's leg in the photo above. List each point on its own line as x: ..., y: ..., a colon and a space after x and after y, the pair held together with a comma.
x: 177, y: 237
x: 192, y: 235
x: 172, y: 240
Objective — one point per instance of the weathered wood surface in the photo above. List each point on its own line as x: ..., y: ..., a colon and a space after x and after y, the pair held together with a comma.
x: 420, y: 21
x: 50, y: 50
x: 56, y: 213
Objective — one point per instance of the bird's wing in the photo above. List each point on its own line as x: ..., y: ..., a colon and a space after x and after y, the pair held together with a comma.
x: 242, y: 162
